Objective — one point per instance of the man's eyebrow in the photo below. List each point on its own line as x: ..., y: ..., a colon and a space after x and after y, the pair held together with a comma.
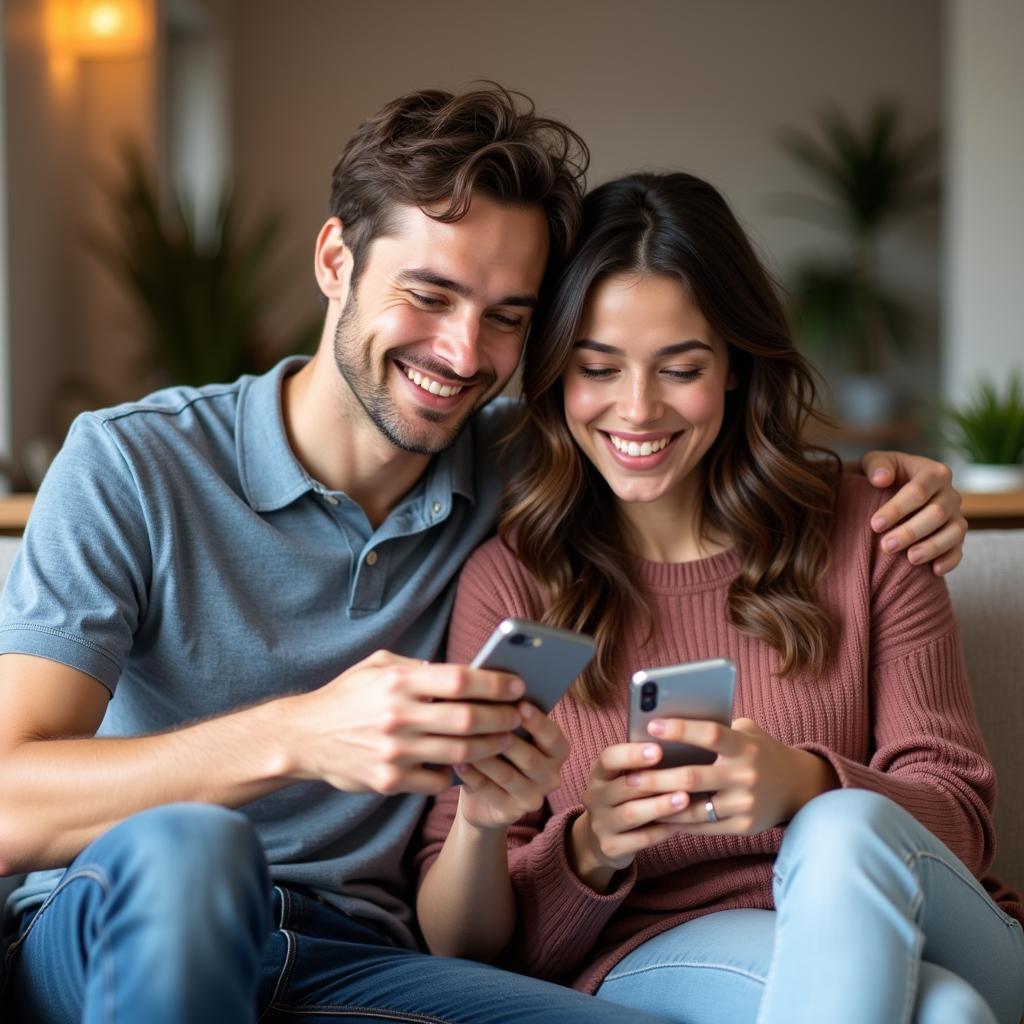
x: 423, y: 276
x: 668, y: 350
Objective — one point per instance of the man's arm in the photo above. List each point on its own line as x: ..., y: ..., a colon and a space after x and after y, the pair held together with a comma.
x: 923, y: 517
x: 373, y: 728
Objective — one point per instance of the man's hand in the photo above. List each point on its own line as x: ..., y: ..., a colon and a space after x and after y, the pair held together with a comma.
x: 392, y: 725
x: 924, y: 515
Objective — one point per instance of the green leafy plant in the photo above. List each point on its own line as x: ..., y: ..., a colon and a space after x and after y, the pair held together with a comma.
x: 204, y: 302
x: 870, y: 178
x: 989, y: 427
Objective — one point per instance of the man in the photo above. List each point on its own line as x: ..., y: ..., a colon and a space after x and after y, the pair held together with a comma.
x: 203, y: 607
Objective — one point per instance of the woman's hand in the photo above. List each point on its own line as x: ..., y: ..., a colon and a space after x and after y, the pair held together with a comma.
x: 924, y: 515
x: 619, y: 820
x: 755, y: 783
x: 499, y: 790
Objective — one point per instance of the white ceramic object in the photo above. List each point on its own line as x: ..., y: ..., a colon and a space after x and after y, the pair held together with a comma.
x: 985, y: 478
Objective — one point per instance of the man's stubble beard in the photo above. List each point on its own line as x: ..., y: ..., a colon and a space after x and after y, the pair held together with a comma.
x: 353, y: 357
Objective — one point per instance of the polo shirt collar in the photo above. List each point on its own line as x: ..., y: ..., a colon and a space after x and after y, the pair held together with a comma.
x: 272, y: 477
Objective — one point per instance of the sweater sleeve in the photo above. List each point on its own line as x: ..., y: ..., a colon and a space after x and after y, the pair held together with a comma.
x: 559, y: 916
x: 928, y: 754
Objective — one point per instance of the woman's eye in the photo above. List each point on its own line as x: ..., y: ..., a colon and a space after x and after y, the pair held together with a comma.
x: 595, y: 372
x: 683, y: 374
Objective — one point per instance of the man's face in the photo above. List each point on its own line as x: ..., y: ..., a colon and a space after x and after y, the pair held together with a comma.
x: 434, y: 327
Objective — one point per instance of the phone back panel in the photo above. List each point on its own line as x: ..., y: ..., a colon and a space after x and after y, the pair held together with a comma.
x: 548, y: 660
x: 699, y: 689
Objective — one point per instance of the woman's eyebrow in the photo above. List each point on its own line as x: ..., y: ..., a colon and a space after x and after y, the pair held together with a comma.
x: 669, y: 350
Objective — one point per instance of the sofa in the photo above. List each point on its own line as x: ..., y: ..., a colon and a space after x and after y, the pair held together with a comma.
x: 988, y: 594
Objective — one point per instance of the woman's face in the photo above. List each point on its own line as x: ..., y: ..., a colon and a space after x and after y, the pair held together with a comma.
x: 645, y: 386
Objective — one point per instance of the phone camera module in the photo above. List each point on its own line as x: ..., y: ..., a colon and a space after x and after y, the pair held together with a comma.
x: 648, y: 696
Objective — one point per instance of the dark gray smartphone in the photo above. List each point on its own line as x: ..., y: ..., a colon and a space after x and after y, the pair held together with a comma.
x: 548, y: 660
x: 697, y: 689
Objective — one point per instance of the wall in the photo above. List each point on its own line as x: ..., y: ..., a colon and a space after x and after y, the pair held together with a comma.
x: 698, y: 85
x: 985, y: 192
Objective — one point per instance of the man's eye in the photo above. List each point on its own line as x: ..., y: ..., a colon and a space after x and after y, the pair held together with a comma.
x: 507, y: 321
x: 427, y: 300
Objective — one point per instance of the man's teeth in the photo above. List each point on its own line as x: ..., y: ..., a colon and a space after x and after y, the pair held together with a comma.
x: 429, y: 384
x: 635, y: 449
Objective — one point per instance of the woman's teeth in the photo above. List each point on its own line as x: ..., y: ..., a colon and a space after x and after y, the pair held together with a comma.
x: 636, y: 450
x: 435, y: 387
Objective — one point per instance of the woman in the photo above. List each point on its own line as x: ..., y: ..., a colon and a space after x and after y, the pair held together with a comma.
x: 671, y: 508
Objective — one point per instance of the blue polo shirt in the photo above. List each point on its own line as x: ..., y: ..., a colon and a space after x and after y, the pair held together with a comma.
x: 180, y: 554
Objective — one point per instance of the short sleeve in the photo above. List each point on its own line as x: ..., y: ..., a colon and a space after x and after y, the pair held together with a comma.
x: 77, y: 589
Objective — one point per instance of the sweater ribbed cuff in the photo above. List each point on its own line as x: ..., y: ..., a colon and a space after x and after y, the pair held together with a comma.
x: 560, y: 915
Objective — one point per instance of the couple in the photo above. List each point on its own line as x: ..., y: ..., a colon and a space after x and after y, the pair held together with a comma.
x: 226, y: 597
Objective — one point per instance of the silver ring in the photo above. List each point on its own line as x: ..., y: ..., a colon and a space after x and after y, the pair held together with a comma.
x: 709, y: 809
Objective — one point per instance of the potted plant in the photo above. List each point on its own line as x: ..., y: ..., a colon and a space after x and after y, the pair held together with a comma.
x: 204, y: 302
x: 870, y: 178
x: 988, y: 430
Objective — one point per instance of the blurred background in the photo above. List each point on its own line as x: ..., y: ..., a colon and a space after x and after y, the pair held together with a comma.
x: 164, y: 169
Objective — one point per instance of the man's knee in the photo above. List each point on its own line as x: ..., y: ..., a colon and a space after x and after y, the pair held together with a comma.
x: 187, y: 847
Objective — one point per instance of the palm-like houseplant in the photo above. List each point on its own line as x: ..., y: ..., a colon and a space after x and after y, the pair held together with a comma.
x: 204, y: 303
x: 988, y: 430
x: 870, y: 178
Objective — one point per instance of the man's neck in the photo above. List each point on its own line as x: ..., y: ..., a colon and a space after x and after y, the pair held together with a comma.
x: 338, y: 445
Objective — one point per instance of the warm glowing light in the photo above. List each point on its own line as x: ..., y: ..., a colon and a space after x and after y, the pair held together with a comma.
x: 106, y: 20
x: 114, y: 28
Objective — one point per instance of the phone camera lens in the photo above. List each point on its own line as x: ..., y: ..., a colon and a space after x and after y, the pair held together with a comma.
x: 648, y: 696
x: 518, y: 639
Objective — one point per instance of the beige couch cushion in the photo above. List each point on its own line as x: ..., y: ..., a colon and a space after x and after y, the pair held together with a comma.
x: 988, y: 594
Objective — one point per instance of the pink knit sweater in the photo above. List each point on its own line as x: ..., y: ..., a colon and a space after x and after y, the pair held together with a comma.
x: 892, y: 713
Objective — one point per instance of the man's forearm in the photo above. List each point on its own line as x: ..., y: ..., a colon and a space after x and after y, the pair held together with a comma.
x: 58, y: 795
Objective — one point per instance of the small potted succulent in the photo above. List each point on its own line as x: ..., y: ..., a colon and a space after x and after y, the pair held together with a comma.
x: 988, y: 430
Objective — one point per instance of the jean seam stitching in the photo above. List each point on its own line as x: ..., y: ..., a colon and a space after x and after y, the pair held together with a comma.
x: 969, y: 882
x: 91, y: 872
x: 353, y: 1011
x: 688, y: 965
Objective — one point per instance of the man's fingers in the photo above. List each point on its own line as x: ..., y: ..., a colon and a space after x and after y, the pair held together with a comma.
x: 455, y: 718
x: 460, y: 682
x: 949, y: 540
x: 443, y: 750
x: 922, y: 524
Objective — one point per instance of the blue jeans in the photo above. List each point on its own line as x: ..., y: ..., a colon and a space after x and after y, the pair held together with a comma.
x: 877, y: 922
x: 171, y: 917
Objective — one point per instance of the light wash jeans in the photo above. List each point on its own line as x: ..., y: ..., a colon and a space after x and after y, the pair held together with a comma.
x: 877, y: 922
x: 170, y: 918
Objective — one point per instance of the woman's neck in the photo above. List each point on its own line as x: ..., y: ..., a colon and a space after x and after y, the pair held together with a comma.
x: 671, y: 528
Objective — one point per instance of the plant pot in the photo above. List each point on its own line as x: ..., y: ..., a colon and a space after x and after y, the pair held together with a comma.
x: 865, y: 399
x: 986, y: 478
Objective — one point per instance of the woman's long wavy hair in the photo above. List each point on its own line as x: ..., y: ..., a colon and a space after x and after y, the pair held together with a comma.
x: 763, y: 485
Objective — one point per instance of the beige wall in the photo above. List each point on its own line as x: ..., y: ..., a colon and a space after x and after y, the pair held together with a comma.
x: 984, y: 330
x: 694, y: 84
x: 64, y: 121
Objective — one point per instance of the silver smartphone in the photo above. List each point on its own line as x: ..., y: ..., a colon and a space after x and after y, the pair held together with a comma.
x: 548, y: 660
x: 697, y: 689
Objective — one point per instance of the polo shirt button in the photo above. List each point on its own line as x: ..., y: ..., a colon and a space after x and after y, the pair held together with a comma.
x: 437, y: 508
x: 371, y: 558
x: 330, y: 499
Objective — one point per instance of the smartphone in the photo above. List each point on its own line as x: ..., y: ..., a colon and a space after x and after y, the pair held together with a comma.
x: 548, y: 660
x: 697, y: 689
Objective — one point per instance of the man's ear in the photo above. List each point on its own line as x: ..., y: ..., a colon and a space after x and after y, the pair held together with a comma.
x: 332, y: 260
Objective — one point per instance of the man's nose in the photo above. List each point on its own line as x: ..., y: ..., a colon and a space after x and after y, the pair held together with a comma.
x: 458, y: 344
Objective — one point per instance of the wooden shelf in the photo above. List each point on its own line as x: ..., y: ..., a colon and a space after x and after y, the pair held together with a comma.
x: 983, y: 511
